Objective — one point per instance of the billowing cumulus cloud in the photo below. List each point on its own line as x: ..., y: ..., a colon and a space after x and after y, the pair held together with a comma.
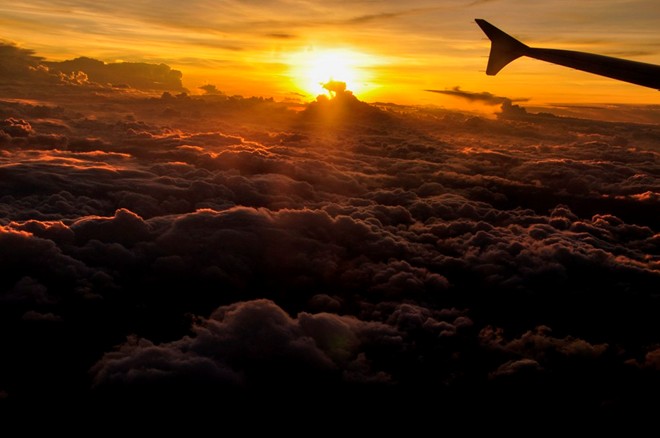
x: 255, y: 341
x: 177, y: 244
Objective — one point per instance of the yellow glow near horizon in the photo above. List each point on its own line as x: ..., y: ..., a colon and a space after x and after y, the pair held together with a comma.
x: 312, y: 68
x: 383, y: 53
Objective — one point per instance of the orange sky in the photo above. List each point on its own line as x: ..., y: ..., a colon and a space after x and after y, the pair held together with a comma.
x: 395, y: 49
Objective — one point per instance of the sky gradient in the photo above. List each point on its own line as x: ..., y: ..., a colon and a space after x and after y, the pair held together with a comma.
x: 399, y: 50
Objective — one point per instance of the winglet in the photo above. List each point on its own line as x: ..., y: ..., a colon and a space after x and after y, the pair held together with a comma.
x: 503, y: 48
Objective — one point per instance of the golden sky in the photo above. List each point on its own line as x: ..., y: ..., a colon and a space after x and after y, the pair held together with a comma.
x: 385, y: 50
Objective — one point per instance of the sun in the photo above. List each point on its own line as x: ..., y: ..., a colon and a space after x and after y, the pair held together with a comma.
x: 312, y: 68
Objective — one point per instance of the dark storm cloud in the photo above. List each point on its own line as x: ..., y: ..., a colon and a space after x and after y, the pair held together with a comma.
x: 345, y: 245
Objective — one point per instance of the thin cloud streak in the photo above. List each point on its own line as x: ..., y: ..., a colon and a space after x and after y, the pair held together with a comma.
x: 484, y: 97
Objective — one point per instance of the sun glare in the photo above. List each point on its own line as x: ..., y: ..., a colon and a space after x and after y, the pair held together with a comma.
x: 313, y: 68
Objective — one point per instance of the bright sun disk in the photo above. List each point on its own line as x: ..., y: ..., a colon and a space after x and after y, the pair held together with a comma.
x: 313, y: 68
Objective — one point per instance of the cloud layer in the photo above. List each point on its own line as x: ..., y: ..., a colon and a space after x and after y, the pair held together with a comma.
x: 213, y: 243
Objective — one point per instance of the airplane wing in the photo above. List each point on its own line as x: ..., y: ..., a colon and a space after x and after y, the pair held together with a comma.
x: 505, y: 48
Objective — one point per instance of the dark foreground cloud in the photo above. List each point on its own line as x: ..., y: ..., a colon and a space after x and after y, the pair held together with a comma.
x: 172, y: 246
x: 255, y: 341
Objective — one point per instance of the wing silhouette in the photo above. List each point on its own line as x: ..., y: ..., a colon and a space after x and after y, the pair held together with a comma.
x: 505, y: 48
